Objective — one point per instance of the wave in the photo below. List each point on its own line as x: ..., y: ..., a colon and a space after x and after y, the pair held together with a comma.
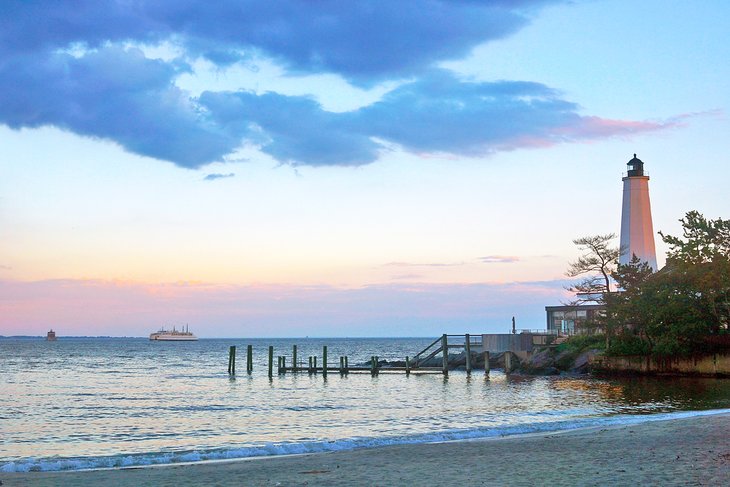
x: 293, y: 448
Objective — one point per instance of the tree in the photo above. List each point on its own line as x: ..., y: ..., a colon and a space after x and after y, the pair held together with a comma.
x: 684, y: 308
x: 698, y: 264
x: 599, y: 262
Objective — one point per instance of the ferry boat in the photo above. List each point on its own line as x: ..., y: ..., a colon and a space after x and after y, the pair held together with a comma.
x: 173, y: 335
x: 51, y: 336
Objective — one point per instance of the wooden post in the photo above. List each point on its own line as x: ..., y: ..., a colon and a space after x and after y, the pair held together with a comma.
x: 324, y: 361
x: 408, y: 365
x: 283, y: 364
x: 232, y: 360
x: 377, y: 365
x: 342, y: 365
x: 309, y: 369
x: 507, y: 362
x: 294, y: 359
x: 486, y: 362
x: 271, y: 361
x: 445, y: 349
x: 372, y: 365
x: 249, y: 359
x: 467, y: 346
x: 347, y: 366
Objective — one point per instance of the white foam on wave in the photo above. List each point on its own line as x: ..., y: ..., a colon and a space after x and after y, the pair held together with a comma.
x: 276, y: 449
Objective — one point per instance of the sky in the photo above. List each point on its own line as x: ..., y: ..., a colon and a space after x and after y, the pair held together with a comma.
x: 374, y: 168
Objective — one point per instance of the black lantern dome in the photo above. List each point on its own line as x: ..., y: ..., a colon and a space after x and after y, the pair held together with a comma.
x: 635, y: 167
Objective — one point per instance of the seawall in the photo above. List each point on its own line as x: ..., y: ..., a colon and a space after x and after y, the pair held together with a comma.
x: 713, y: 365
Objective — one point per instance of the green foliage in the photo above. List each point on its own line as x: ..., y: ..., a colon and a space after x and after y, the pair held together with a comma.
x: 674, y: 311
x: 582, y: 343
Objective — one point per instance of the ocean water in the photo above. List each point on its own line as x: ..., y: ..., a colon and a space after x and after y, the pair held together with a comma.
x: 83, y: 403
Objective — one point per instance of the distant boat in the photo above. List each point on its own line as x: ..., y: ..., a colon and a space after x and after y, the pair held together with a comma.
x: 51, y: 336
x: 173, y: 335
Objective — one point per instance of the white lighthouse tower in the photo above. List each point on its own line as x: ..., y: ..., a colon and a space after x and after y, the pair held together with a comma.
x: 637, y: 231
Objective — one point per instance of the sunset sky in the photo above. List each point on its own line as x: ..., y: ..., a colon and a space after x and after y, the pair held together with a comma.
x: 332, y: 168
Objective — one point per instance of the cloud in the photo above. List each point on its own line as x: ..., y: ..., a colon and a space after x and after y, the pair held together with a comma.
x: 362, y: 41
x: 78, y: 69
x: 214, y: 176
x: 499, y: 259
x: 116, y: 94
x: 5, y: 268
x: 425, y: 264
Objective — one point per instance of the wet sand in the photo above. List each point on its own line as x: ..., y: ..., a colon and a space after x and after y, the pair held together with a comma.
x: 690, y: 451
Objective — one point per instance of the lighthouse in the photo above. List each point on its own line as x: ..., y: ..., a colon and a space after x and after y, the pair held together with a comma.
x: 637, y: 231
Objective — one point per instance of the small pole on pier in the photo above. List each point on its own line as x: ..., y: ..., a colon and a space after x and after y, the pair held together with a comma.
x: 324, y: 361
x: 467, y: 346
x: 347, y: 366
x: 342, y: 365
x: 408, y: 365
x: 249, y: 359
x: 271, y: 362
x: 486, y: 362
x: 232, y: 360
x: 294, y: 359
x: 445, y: 348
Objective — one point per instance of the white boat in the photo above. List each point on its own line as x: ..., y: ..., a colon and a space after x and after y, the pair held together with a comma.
x: 173, y: 335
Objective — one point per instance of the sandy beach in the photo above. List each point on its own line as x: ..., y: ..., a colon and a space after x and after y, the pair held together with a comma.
x: 691, y: 451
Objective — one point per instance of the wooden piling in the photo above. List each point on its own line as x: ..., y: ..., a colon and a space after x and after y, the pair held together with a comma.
x: 283, y: 364
x: 467, y: 346
x: 507, y: 362
x: 347, y: 366
x: 342, y: 365
x: 324, y: 361
x: 232, y: 360
x: 445, y: 349
x: 372, y: 365
x: 271, y: 362
x: 294, y: 358
x: 249, y: 359
x: 408, y: 365
x: 486, y: 362
x: 314, y: 363
x: 309, y: 369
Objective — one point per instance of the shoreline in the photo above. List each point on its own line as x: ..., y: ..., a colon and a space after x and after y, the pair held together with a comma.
x: 692, y: 450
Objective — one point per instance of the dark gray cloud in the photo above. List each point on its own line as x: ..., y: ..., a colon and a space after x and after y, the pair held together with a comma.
x: 115, y: 94
x: 214, y: 176
x: 363, y: 41
x: 69, y: 65
x: 436, y: 113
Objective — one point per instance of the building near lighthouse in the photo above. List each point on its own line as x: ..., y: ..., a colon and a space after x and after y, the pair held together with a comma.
x: 637, y: 230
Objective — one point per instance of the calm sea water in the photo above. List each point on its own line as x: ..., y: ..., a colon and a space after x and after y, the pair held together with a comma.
x: 91, y: 403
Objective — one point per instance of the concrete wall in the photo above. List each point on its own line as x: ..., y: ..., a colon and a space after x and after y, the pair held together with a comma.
x: 507, y: 342
x: 708, y: 365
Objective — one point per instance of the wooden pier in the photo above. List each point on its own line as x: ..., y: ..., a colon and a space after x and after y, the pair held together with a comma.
x: 434, y: 359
